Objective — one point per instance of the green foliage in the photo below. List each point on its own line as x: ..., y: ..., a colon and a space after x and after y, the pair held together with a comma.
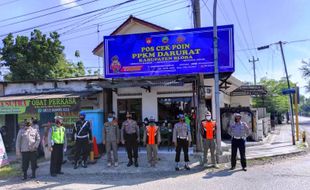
x: 38, y: 57
x: 66, y: 69
x: 304, y: 105
x: 275, y: 102
x: 306, y: 73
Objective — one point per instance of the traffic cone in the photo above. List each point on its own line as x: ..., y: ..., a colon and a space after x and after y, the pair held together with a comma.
x: 91, y: 155
x: 95, y: 148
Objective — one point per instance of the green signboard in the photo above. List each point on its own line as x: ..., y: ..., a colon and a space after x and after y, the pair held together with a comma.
x: 40, y: 106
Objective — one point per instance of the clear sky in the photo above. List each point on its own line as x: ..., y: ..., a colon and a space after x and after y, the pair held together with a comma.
x: 257, y: 23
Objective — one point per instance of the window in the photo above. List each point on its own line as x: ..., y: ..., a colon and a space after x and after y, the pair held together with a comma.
x: 169, y: 108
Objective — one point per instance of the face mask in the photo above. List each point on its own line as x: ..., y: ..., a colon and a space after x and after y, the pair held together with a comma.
x: 82, y: 118
x: 128, y: 118
x: 110, y: 119
x: 208, y: 118
x: 166, y: 121
x: 145, y: 122
x: 236, y: 120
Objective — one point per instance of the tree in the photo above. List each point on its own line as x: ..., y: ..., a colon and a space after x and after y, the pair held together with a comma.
x: 306, y: 72
x: 39, y: 57
x: 275, y: 102
x: 66, y: 69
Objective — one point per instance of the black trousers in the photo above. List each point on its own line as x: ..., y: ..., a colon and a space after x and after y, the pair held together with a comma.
x: 56, y: 158
x: 29, y: 157
x: 81, y: 148
x: 131, y: 144
x: 181, y: 144
x: 238, y: 144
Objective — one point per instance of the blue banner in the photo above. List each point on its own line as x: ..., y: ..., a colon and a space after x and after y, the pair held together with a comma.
x: 177, y: 52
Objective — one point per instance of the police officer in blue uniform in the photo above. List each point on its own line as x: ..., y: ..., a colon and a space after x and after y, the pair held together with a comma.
x: 83, y: 137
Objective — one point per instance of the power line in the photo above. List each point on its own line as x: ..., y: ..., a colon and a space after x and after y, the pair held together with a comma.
x: 240, y: 60
x: 9, y: 2
x: 238, y: 21
x: 205, y: 3
x: 228, y: 20
x: 65, y: 19
x: 47, y: 14
x: 39, y: 11
x: 82, y: 19
x: 143, y: 11
x: 249, y: 23
x: 111, y: 28
x: 78, y: 24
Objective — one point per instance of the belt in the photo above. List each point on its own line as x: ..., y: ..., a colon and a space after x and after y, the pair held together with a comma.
x: 82, y: 137
x: 238, y: 137
x: 182, y: 137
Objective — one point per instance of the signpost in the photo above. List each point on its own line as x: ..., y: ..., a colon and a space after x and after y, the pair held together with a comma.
x: 177, y: 52
x: 288, y: 91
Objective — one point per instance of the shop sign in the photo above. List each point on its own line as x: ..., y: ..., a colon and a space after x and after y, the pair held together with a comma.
x: 40, y: 106
x: 3, y: 155
x: 168, y: 53
x: 14, y: 106
x: 54, y: 105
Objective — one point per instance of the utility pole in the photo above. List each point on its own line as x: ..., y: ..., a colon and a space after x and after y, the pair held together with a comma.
x: 254, y: 61
x: 288, y: 86
x: 200, y: 80
x: 291, y: 99
x: 216, y: 85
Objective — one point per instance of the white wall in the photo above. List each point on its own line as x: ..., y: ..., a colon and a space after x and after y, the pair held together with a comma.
x: 241, y: 101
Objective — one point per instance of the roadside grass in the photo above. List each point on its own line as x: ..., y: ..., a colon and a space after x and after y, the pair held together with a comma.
x: 11, y: 170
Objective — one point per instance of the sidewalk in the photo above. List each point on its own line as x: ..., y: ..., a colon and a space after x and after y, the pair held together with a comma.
x: 279, y: 143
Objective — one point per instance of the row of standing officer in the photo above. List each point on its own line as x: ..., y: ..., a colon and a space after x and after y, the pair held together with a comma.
x: 28, y: 140
x: 129, y: 136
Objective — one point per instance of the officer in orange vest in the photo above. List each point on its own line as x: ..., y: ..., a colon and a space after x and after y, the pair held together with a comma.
x: 207, y: 130
x: 151, y: 139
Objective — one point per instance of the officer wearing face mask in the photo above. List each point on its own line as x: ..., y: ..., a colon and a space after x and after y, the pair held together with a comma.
x: 239, y: 131
x: 111, y: 138
x: 83, y: 137
x: 207, y: 131
x: 131, y: 138
x: 182, y: 139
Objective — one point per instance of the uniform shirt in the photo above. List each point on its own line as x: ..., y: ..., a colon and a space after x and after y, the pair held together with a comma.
x: 86, y: 131
x: 110, y: 132
x: 182, y: 131
x: 28, y: 140
x: 130, y: 127
x: 239, y: 130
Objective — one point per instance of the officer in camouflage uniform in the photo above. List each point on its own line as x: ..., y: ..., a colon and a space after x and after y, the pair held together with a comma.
x: 111, y: 138
x: 130, y: 137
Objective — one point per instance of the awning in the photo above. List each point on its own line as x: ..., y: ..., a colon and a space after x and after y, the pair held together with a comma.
x: 249, y: 90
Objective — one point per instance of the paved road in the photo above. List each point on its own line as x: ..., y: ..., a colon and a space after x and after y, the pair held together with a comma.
x: 291, y: 173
